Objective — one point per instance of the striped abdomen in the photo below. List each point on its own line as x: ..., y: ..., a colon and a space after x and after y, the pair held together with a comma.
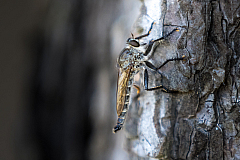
x: 123, y: 96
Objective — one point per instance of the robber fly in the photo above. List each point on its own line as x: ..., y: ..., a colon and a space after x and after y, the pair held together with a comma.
x: 133, y: 58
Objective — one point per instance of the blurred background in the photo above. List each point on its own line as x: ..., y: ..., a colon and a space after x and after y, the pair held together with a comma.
x: 58, y: 78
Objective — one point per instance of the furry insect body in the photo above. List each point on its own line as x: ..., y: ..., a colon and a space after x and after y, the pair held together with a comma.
x: 133, y: 58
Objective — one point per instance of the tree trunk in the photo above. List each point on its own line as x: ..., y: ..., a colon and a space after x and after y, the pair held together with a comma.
x: 202, y: 120
x: 73, y: 100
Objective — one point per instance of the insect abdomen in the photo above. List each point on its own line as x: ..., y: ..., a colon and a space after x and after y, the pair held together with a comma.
x: 123, y: 98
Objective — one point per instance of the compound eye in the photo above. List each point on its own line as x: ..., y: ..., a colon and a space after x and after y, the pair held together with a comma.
x: 133, y: 42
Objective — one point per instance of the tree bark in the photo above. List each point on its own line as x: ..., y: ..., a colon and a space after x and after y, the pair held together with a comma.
x: 202, y: 120
x: 73, y: 98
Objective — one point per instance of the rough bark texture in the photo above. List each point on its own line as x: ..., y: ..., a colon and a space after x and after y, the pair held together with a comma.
x: 202, y: 120
x: 59, y: 77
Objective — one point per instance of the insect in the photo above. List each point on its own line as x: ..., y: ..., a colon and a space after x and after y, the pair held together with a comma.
x: 133, y: 58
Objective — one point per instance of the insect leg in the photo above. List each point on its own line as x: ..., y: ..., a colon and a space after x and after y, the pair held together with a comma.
x: 163, y: 37
x: 145, y: 35
x: 138, y: 89
x: 173, y: 59
x: 149, y: 47
x: 150, y: 65
x: 164, y: 89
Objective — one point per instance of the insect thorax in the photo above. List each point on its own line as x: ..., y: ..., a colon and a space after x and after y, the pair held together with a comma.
x: 131, y: 57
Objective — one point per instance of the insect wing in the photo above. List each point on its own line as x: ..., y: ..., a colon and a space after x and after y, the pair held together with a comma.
x: 123, y: 77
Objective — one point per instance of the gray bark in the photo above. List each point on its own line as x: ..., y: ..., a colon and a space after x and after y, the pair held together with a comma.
x: 59, y: 102
x: 202, y: 120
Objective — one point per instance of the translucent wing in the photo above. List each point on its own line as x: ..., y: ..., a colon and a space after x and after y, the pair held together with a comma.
x: 123, y: 77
